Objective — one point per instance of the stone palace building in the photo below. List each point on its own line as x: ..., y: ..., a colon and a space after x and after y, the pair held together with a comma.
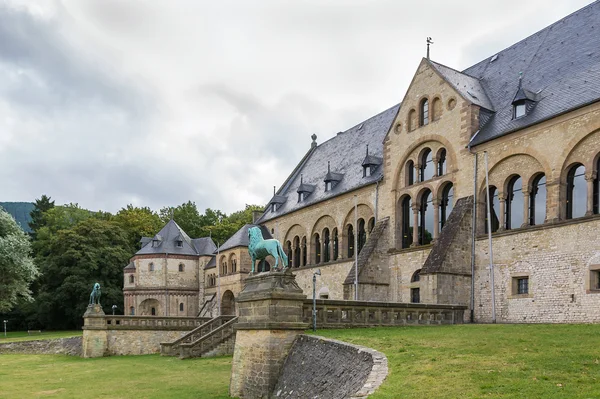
x: 402, y: 196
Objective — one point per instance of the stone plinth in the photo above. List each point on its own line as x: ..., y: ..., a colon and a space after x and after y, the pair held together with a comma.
x: 94, y: 342
x: 270, y: 318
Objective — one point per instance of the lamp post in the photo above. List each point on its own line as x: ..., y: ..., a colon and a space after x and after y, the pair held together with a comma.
x: 5, y: 321
x: 315, y: 274
x: 114, y: 307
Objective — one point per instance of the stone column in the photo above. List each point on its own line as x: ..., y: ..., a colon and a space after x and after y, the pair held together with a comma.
x: 502, y: 215
x: 590, y: 194
x: 270, y: 309
x: 436, y: 218
x: 525, y: 209
x: 95, y: 341
x: 435, y: 167
x: 415, y: 209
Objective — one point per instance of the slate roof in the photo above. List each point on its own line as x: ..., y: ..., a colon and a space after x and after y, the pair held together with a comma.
x: 212, y: 263
x: 167, y: 238
x: 468, y: 86
x: 560, y: 66
x: 345, y: 152
x: 240, y: 238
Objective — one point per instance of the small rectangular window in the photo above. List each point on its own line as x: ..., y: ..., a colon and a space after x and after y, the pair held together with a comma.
x: 519, y: 110
x: 595, y: 280
x: 273, y: 207
x: 328, y: 186
x: 520, y: 285
x: 415, y: 295
x: 367, y: 171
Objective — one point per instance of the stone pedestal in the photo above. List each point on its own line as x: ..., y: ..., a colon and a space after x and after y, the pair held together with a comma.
x: 270, y: 318
x: 95, y: 340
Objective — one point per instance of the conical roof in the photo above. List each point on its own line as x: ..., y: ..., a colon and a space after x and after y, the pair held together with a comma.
x: 171, y: 239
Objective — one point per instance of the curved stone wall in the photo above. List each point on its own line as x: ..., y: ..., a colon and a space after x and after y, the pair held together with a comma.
x: 318, y: 367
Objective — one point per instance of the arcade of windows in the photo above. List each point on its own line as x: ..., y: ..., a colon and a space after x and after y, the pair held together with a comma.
x: 522, y: 207
x: 325, y: 246
x: 426, y: 113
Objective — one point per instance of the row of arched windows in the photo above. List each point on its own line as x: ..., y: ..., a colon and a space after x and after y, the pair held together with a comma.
x: 211, y: 280
x: 427, y: 168
x: 325, y: 246
x: 151, y: 267
x: 422, y: 223
x: 425, y: 113
x: 225, y: 266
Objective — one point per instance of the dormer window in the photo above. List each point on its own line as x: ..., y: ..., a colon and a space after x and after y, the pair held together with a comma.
x: 273, y: 207
x: 155, y: 243
x: 179, y: 244
x: 520, y: 109
x: 301, y: 196
x: 328, y: 186
x: 367, y: 171
x: 332, y: 178
x: 304, y: 190
x: 370, y: 164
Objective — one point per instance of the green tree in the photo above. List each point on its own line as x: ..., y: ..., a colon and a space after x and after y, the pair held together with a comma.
x: 94, y: 250
x: 41, y: 205
x: 187, y: 217
x: 17, y: 269
x: 138, y: 223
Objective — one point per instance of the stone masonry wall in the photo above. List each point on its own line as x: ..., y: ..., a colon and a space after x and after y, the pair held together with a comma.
x: 331, y: 279
x: 556, y: 258
x: 322, y: 368
x: 60, y: 346
x: 138, y: 342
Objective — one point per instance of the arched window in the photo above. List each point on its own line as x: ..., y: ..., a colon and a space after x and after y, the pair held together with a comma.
x: 514, y: 203
x: 494, y: 206
x: 297, y: 250
x: 317, y: 248
x: 410, y: 173
x: 537, y: 201
x: 412, y: 120
x: 151, y: 267
x: 181, y: 267
x: 416, y: 277
x: 424, y: 112
x: 234, y: 265
x: 407, y: 228
x: 441, y: 166
x: 426, y: 218
x: 576, y: 192
x: 181, y: 307
x: 153, y: 311
x: 350, y: 241
x: 446, y: 204
x: 362, y: 234
x: 131, y: 279
x: 131, y: 311
x: 436, y: 109
x: 303, y: 251
x: 326, y: 253
x: 371, y: 225
x: 336, y: 245
x: 427, y: 167
x: 223, y: 266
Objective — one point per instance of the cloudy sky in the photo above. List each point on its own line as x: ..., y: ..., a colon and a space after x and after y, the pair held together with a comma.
x: 155, y: 103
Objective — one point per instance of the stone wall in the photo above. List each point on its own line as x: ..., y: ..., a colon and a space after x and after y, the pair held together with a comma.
x: 329, y: 283
x: 142, y: 342
x: 557, y: 259
x: 317, y: 367
x: 61, y: 346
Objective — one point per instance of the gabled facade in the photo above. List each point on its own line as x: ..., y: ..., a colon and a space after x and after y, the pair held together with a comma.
x: 165, y: 277
x: 414, y: 224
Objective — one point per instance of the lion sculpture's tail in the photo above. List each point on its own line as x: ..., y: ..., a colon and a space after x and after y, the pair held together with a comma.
x: 283, y: 255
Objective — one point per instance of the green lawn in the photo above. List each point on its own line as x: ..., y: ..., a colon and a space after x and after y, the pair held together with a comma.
x: 151, y: 376
x: 14, y: 336
x: 463, y: 361
x: 485, y: 361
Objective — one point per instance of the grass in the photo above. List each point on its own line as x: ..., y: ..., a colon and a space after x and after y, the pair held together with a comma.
x: 485, y: 361
x: 16, y: 336
x: 462, y: 361
x: 151, y: 377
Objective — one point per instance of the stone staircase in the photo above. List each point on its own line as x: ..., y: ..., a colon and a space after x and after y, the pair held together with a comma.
x: 213, y: 338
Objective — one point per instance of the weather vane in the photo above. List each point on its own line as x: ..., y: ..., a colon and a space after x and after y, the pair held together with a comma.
x: 429, y: 41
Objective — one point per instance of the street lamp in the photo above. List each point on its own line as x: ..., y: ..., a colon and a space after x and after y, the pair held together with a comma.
x: 114, y: 307
x: 5, y: 321
x: 315, y: 274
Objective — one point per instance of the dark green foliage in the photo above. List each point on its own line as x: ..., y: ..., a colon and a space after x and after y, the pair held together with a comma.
x: 40, y: 206
x: 92, y: 251
x: 21, y: 212
x: 138, y: 222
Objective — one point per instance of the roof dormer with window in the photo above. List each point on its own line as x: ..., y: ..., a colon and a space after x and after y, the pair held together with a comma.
x: 524, y: 100
x: 305, y: 190
x: 370, y: 164
x: 332, y: 178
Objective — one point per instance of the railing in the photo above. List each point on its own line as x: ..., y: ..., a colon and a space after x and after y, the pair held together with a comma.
x: 207, y: 303
x: 153, y: 322
x: 349, y: 314
x: 209, y: 341
x: 173, y: 348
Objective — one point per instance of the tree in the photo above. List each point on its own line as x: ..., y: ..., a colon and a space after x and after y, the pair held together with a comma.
x: 41, y: 205
x: 187, y: 217
x: 17, y: 269
x: 138, y: 222
x: 94, y: 250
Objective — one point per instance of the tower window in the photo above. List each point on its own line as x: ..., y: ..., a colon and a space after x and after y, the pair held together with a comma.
x: 424, y: 112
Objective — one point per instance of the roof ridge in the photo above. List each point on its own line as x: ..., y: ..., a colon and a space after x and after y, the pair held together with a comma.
x: 453, y: 69
x: 548, y: 27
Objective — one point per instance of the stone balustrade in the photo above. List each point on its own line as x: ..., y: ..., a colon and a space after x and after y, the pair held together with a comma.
x: 352, y: 314
x: 210, y: 325
x: 209, y: 341
x: 153, y: 323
